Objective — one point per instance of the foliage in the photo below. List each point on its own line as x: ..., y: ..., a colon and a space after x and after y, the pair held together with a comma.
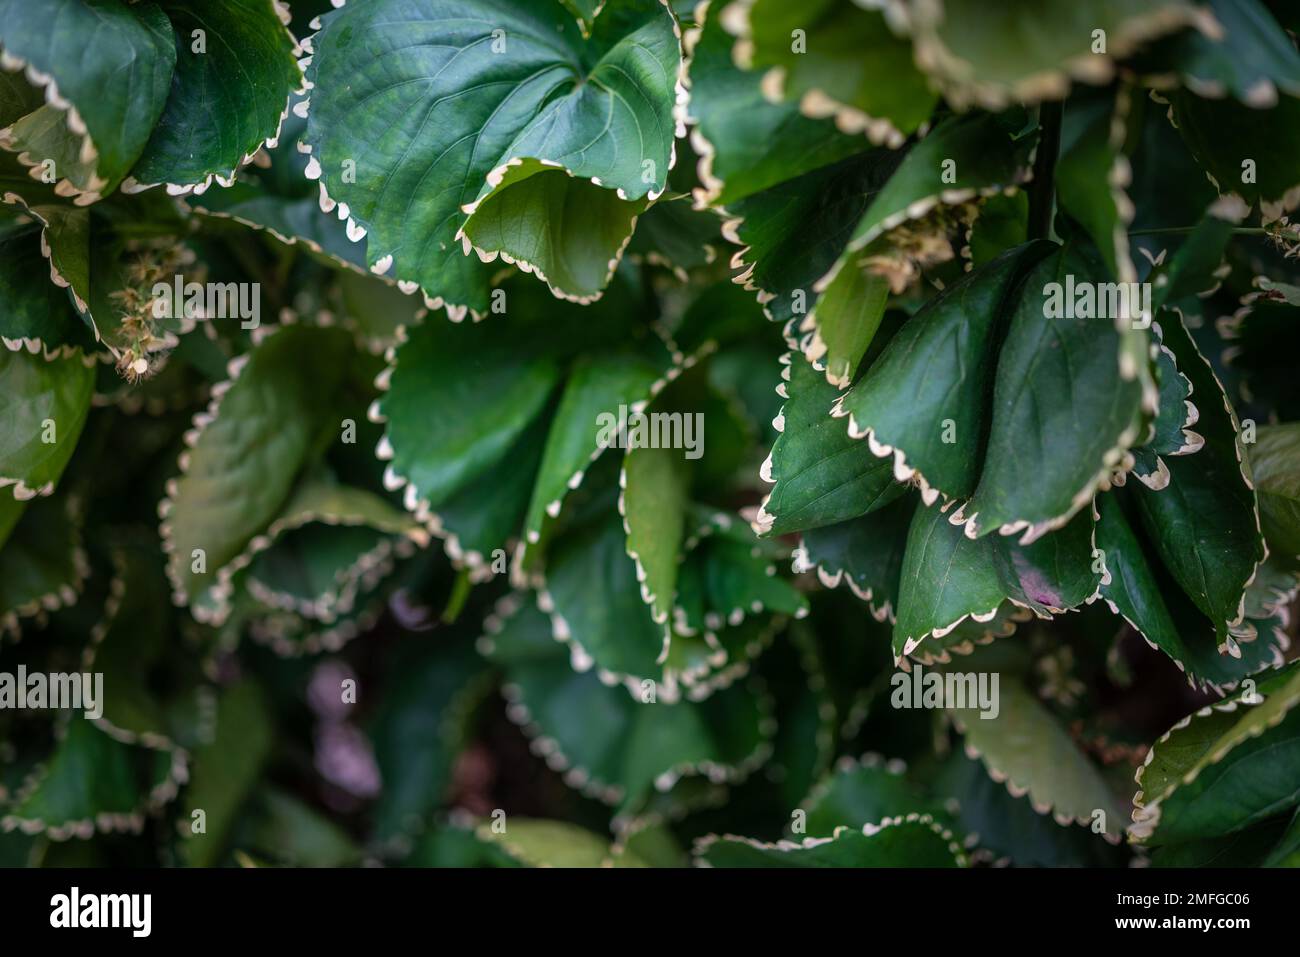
x: 316, y: 319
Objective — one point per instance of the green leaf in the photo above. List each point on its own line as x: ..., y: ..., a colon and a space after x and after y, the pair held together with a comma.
x: 39, y: 318
x: 280, y: 200
x: 747, y: 143
x: 1248, y: 848
x: 111, y: 63
x: 1068, y: 402
x: 502, y: 375
x: 586, y: 11
x: 852, y: 66
x: 653, y: 506
x: 95, y: 782
x: 914, y: 840
x: 1223, y: 769
x: 11, y: 510
x: 842, y: 325
x: 483, y: 516
x: 969, y: 635
x: 538, y: 843
x: 1249, y: 57
x: 451, y: 846
x: 288, y: 830
x: 858, y: 793
x: 1205, y: 524
x: 224, y: 770
x: 608, y: 743
x: 129, y: 648
x: 595, y: 601
x: 939, y: 368
x: 549, y: 222
x: 1091, y: 172
x: 460, y: 123
x: 317, y: 569
x: 895, y: 211
x: 1249, y: 153
x: 1173, y: 434
x: 374, y: 310
x: 820, y: 475
x: 962, y: 158
x: 226, y: 98
x: 1138, y: 588
x: 991, y: 56
x: 247, y: 453
x: 322, y: 553
x: 947, y: 577
x: 1025, y: 746
x: 795, y: 232
x: 498, y: 387
x: 1011, y: 830
x: 40, y: 400
x: 1193, y: 269
x: 43, y: 564
x: 600, y: 388
x: 1275, y: 468
x: 728, y: 576
x: 1258, y: 337
x: 1287, y: 851
x: 865, y: 552
x: 417, y: 732
x: 1003, y: 222
x: 17, y: 97
x: 676, y: 236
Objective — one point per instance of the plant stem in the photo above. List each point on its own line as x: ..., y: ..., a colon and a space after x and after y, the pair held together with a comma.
x: 1042, y: 192
x: 460, y: 590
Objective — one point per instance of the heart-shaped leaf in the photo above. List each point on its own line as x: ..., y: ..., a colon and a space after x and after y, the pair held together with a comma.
x: 487, y: 123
